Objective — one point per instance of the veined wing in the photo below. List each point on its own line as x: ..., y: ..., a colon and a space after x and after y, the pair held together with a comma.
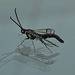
x: 46, y: 31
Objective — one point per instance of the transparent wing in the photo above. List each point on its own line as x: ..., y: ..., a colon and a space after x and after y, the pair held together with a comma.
x: 46, y: 31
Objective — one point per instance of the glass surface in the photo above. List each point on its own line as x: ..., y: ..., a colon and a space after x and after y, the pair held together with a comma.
x: 37, y: 14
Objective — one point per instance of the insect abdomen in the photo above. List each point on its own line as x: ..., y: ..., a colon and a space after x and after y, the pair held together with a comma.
x: 45, y: 36
x: 58, y: 38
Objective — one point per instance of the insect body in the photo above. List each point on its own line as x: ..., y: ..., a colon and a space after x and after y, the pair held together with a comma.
x: 40, y: 34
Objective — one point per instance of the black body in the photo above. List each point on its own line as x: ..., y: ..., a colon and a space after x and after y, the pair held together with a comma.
x: 31, y: 34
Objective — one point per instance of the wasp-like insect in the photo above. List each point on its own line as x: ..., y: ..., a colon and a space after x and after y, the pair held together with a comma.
x: 40, y: 34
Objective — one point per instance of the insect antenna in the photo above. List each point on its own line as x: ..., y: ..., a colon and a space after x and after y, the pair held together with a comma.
x: 17, y: 19
x: 6, y: 55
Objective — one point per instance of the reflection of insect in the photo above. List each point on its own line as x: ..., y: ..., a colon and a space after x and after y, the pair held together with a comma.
x: 27, y: 55
x: 40, y: 34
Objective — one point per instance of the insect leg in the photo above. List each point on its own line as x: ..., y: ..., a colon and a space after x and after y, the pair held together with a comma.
x: 33, y: 46
x: 45, y: 45
x: 52, y: 43
x: 23, y: 41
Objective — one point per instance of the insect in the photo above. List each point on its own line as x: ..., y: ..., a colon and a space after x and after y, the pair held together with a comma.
x: 40, y: 34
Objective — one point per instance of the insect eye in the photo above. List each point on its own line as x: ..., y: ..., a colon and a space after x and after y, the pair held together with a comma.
x: 23, y: 31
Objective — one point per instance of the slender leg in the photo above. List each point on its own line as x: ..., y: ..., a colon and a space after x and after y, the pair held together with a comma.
x: 23, y: 41
x: 33, y: 46
x: 45, y: 45
x: 52, y: 43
